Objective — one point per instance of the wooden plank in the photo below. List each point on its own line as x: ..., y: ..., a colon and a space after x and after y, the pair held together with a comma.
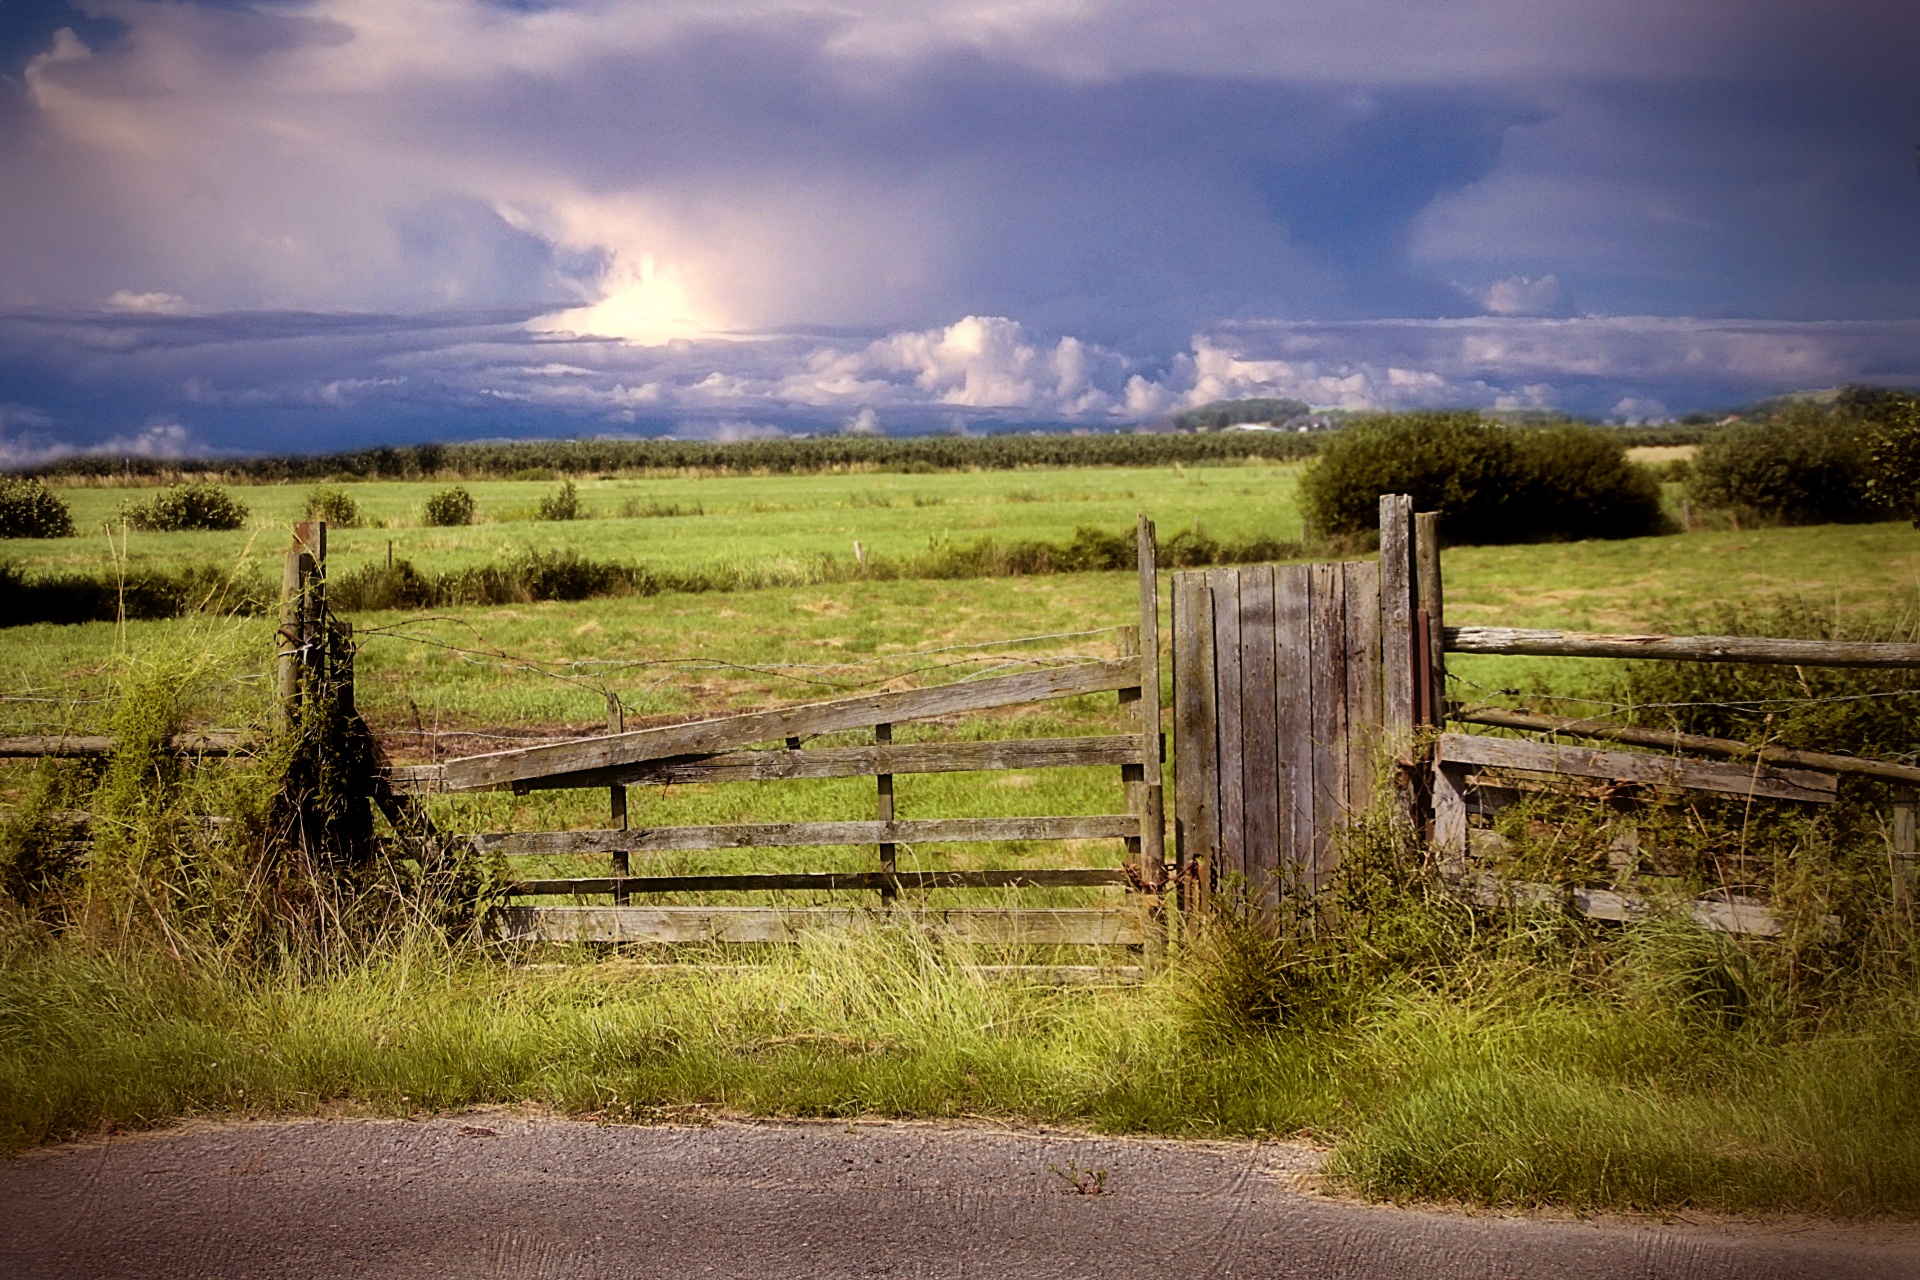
x: 515, y: 844
x: 1758, y: 780
x: 1430, y: 599
x: 1826, y: 762
x: 1259, y: 735
x: 1733, y: 914
x: 1195, y: 745
x: 1035, y: 926
x: 783, y: 764
x: 1364, y: 709
x: 1153, y: 854
x: 1585, y: 644
x: 1449, y: 816
x: 1228, y: 708
x: 588, y: 755
x: 1327, y: 673
x: 883, y: 811
x: 1397, y: 591
x: 1293, y: 695
x: 830, y: 881
x: 217, y: 742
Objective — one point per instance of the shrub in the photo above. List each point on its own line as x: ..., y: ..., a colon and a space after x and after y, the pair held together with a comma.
x: 28, y: 509
x: 1809, y: 465
x: 182, y: 507
x: 334, y: 505
x: 562, y: 504
x: 1893, y: 457
x: 449, y: 507
x: 1489, y: 483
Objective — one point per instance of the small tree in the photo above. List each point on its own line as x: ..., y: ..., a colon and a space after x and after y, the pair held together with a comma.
x: 1893, y: 467
x: 334, y: 505
x: 449, y: 507
x: 28, y: 509
x: 562, y: 504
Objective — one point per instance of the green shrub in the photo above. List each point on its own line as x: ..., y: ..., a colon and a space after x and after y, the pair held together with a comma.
x: 562, y: 504
x: 449, y: 507
x: 28, y: 509
x: 1893, y: 479
x: 181, y: 507
x: 1809, y: 465
x: 334, y: 505
x: 1489, y: 483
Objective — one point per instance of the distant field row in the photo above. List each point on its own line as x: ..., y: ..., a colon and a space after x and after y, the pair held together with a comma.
x: 686, y: 522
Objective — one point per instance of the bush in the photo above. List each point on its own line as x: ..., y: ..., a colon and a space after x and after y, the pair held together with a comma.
x: 28, y: 509
x: 1893, y: 456
x: 1809, y: 465
x: 1488, y: 482
x: 563, y: 504
x: 334, y: 505
x: 449, y: 507
x: 182, y: 507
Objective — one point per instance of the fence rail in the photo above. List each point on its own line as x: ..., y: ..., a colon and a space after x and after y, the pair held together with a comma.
x: 1525, y: 642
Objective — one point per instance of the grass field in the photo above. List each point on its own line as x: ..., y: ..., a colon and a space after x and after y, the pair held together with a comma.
x: 1536, y: 1068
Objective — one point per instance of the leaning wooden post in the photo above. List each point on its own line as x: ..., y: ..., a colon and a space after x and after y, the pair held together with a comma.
x: 1432, y: 633
x: 299, y: 619
x: 1153, y: 853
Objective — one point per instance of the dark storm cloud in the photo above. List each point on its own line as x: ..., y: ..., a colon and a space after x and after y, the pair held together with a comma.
x: 352, y: 217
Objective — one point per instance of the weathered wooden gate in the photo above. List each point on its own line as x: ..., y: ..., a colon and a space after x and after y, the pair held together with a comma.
x: 1287, y: 682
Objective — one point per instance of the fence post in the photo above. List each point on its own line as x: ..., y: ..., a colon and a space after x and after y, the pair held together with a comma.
x: 882, y: 734
x: 617, y: 802
x: 1153, y: 837
x: 1433, y: 676
x: 298, y: 617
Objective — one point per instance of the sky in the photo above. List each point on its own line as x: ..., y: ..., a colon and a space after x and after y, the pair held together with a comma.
x: 314, y: 224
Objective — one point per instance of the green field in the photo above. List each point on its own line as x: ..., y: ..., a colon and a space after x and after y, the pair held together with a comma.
x: 1542, y: 1065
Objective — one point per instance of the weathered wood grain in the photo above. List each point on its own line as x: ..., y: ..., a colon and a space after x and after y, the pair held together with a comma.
x: 784, y: 764
x: 1431, y: 599
x: 1259, y: 733
x: 1363, y: 692
x: 1059, y: 926
x: 1584, y: 644
x: 1293, y: 696
x: 1327, y: 663
x: 1228, y: 710
x: 1823, y: 761
x: 218, y: 742
x: 1195, y: 746
x: 1397, y: 591
x: 589, y: 756
x: 1115, y: 826
x: 829, y: 881
x: 1153, y: 853
x: 1758, y: 780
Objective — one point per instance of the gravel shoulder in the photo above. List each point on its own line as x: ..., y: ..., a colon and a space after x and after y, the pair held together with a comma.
x: 516, y: 1195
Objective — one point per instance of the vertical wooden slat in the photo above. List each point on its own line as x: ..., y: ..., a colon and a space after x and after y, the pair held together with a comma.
x: 1326, y: 647
x: 1905, y: 854
x: 1363, y: 682
x: 1205, y: 738
x: 883, y: 810
x: 1132, y: 776
x: 1432, y: 603
x: 1187, y: 805
x: 1153, y: 854
x: 1397, y: 595
x: 1293, y: 591
x: 1449, y: 820
x: 1259, y: 735
x: 1226, y: 662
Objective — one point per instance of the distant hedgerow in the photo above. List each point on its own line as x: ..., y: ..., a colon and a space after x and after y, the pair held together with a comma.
x: 1809, y: 465
x: 182, y: 507
x: 1490, y: 483
x: 28, y: 509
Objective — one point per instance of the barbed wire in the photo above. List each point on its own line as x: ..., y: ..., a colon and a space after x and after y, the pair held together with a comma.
x: 1617, y: 708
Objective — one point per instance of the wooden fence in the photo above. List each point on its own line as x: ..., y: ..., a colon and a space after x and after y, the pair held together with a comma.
x: 717, y: 750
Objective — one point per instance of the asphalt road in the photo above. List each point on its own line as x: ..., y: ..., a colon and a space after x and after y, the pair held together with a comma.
x: 511, y: 1196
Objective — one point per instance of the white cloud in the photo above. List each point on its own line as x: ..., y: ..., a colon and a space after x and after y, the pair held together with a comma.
x: 1526, y: 296
x: 156, y: 304
x: 864, y: 423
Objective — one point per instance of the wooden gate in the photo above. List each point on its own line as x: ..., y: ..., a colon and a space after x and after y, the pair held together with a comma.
x: 1287, y: 682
